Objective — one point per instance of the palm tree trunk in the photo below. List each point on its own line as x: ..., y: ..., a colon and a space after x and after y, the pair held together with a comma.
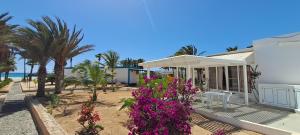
x: 59, y: 77
x: 6, y: 75
x: 0, y: 76
x: 112, y: 80
x: 42, y: 72
x: 31, y: 69
x: 24, y: 77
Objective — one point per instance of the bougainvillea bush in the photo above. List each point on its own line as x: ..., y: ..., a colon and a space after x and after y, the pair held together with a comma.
x: 88, y: 119
x: 161, y: 107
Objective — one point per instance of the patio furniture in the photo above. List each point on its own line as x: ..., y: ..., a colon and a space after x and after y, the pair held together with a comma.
x: 225, y: 96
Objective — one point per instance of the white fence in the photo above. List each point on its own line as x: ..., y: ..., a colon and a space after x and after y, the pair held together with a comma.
x: 279, y: 95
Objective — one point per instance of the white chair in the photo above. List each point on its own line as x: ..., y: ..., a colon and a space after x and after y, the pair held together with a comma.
x: 226, y: 99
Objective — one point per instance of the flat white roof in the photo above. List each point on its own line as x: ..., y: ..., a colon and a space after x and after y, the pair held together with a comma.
x: 247, y: 56
x: 199, y: 61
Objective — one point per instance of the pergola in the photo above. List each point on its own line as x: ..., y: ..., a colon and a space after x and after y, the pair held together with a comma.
x: 190, y: 62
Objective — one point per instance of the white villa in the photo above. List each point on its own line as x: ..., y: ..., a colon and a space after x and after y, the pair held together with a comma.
x: 278, y: 60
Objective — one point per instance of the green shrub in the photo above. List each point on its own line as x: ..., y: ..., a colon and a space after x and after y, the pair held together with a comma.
x: 50, y: 78
x: 5, y: 82
x: 71, y: 81
x: 54, y: 102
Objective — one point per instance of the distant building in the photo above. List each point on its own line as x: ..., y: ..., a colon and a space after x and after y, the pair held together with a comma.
x: 123, y: 75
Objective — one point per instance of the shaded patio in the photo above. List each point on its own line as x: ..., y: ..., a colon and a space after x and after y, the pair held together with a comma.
x: 265, y: 115
x: 233, y: 68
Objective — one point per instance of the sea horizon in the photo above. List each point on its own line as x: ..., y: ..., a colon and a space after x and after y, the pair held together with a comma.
x: 15, y: 75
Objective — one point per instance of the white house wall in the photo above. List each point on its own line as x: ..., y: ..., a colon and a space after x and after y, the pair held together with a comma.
x: 278, y: 59
x: 121, y: 75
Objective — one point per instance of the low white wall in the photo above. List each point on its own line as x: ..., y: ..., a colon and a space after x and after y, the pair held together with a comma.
x: 279, y: 95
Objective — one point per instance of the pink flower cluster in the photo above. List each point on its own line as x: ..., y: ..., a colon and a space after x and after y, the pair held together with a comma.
x: 160, y: 110
x: 88, y: 119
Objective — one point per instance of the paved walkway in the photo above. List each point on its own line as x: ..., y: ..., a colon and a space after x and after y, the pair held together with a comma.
x: 15, y: 119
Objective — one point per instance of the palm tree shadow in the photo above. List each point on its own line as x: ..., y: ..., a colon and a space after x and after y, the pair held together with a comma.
x: 12, y: 107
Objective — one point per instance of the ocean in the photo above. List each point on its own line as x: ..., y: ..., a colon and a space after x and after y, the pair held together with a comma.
x: 14, y: 75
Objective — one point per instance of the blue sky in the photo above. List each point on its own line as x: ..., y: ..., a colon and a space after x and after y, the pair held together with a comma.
x: 152, y: 29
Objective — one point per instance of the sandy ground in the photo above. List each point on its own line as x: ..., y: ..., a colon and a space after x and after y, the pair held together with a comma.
x: 114, y: 121
x: 32, y: 87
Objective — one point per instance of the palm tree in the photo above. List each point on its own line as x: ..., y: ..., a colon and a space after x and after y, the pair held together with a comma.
x: 189, y: 50
x: 111, y: 59
x: 4, y: 57
x: 6, y: 35
x: 99, y: 56
x: 71, y: 62
x: 6, y: 30
x: 31, y: 63
x: 8, y: 65
x: 96, y: 76
x: 81, y: 68
x: 36, y: 42
x: 91, y: 73
x: 67, y: 46
x: 229, y: 49
x: 128, y: 62
x: 140, y: 61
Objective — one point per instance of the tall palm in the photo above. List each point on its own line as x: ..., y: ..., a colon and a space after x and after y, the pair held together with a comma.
x: 36, y: 42
x: 128, y: 62
x: 189, y: 50
x: 6, y: 36
x: 6, y: 30
x: 99, y: 56
x: 229, y: 49
x: 71, y: 62
x: 4, y: 57
x: 31, y: 63
x: 67, y: 46
x: 140, y: 61
x: 8, y: 65
x: 111, y: 59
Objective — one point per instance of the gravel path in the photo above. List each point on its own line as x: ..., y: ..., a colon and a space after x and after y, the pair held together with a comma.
x: 15, y: 119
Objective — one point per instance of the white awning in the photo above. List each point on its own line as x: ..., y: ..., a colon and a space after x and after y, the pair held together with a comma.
x: 247, y: 56
x: 194, y: 61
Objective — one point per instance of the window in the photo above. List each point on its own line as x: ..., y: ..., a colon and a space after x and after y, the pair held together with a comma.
x: 212, y: 78
x: 233, y: 78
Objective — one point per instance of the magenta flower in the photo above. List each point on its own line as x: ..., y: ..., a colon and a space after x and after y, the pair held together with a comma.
x: 162, y: 111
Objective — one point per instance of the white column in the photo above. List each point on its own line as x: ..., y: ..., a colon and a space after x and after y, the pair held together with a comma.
x: 177, y: 72
x: 188, y: 72
x: 217, y: 83
x: 193, y: 75
x: 207, y: 78
x: 245, y: 84
x: 227, y: 78
x: 148, y: 72
x: 238, y: 78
